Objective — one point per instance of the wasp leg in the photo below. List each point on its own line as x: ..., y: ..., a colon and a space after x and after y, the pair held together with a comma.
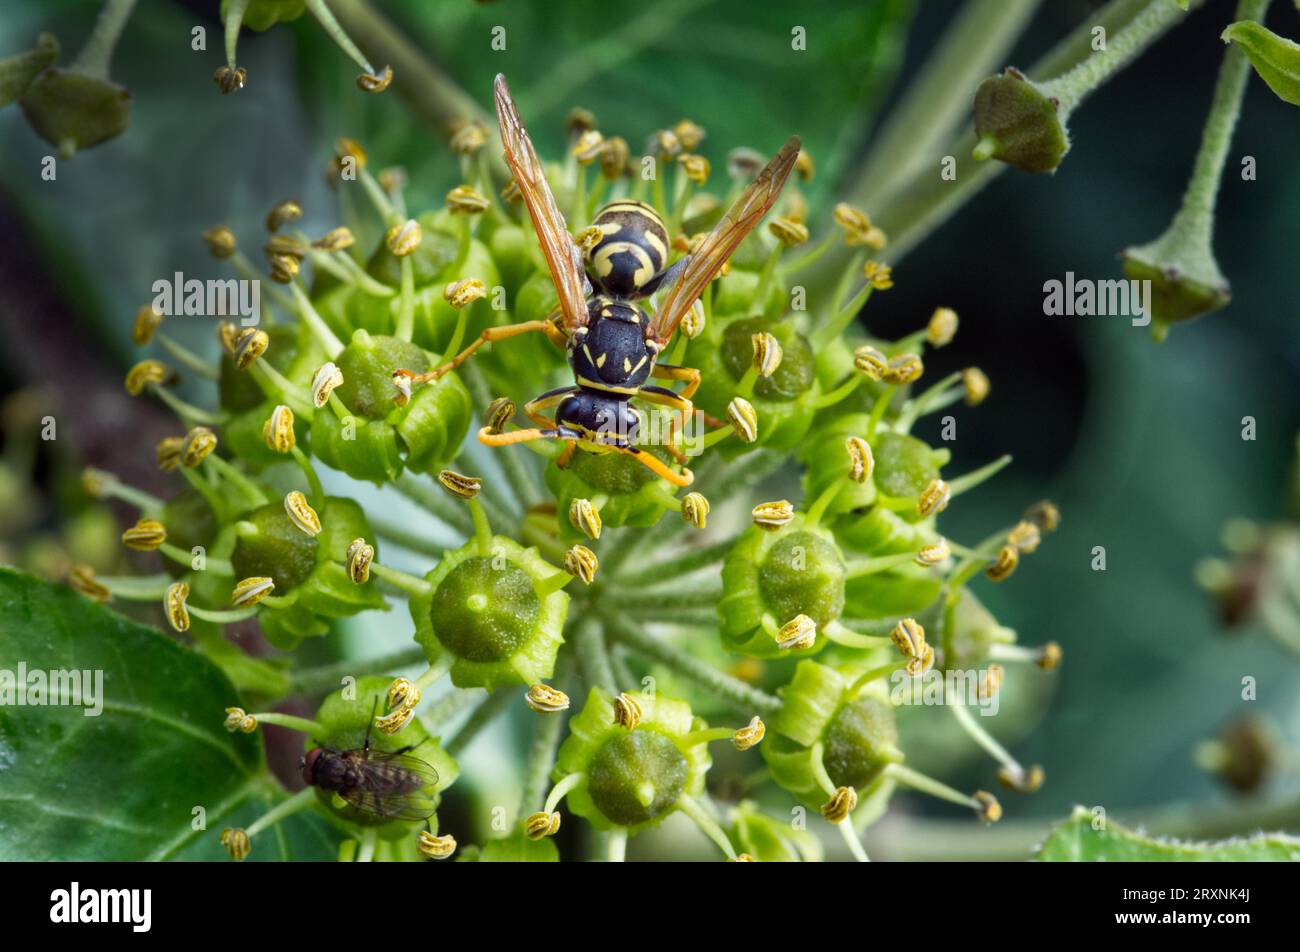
x: 533, y: 408
x: 504, y: 332
x: 663, y: 397
x: 654, y: 464
x: 692, y: 378
x: 488, y: 438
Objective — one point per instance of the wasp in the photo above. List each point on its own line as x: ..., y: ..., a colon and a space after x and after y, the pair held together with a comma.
x: 386, y: 784
x: 611, y: 342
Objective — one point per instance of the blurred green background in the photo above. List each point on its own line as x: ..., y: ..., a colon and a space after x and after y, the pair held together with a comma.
x: 1138, y: 443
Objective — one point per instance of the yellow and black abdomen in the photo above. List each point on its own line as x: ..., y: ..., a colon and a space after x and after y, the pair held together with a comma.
x: 633, y: 248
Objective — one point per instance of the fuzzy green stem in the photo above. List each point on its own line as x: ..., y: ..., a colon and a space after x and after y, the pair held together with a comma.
x: 492, y: 707
x: 288, y: 721
x: 294, y: 804
x: 707, y: 824
x: 234, y: 19
x: 411, y: 584
x: 329, y: 677
x: 684, y: 564
x: 434, y: 501
x: 336, y: 32
x: 741, y: 696
x: 96, y: 56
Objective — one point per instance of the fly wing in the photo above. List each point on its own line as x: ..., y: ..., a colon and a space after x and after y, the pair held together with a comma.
x: 562, y: 256
x: 393, y: 786
x: 705, y: 262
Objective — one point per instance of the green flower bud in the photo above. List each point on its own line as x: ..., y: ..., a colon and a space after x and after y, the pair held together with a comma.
x: 344, y: 726
x: 292, y: 352
x: 243, y: 437
x: 632, y: 778
x: 794, y: 570
x: 423, y: 435
x: 76, y: 111
x: 783, y: 401
x: 630, y: 494
x: 772, y: 840
x: 1276, y: 59
x: 856, y: 735
x: 492, y: 611
x: 1185, y: 279
x: 1018, y: 124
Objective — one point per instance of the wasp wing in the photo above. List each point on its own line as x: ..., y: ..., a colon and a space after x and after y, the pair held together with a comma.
x: 562, y: 256
x: 706, y: 260
x: 393, y: 786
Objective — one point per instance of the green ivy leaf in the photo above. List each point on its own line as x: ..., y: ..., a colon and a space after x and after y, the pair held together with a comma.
x: 1075, y: 841
x: 123, y: 785
x: 1275, y: 58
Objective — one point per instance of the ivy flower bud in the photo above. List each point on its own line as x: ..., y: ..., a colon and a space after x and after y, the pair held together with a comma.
x: 627, y: 712
x: 767, y: 353
x: 903, y: 369
x: 751, y: 735
x: 1007, y: 559
x: 934, y: 498
x: 976, y: 384
x: 146, y: 373
x: 463, y: 293
x: 581, y: 562
x: 230, y: 80
x: 587, y: 149
x: 199, y: 442
x: 469, y: 136
x: 175, y: 603
x: 228, y: 334
x: 460, y: 485
x: 934, y: 554
x: 861, y: 461
x: 375, y: 82
x: 81, y: 579
x: 665, y: 144
x: 744, y: 163
x: 614, y: 153
x: 689, y: 134
x: 146, y: 322
x: 1049, y: 656
x: 250, y: 346
x: 1024, y: 780
x: 578, y: 121
x: 435, y: 847
x: 773, y: 515
x: 464, y: 200
x: 538, y: 826
x: 282, y: 214
x: 870, y: 361
x: 284, y: 268
x: 788, y: 231
x: 250, y: 591
x: 236, y: 843
x: 237, y: 719
x: 842, y: 803
x: 990, y: 682
x: 743, y: 419
x: 359, y: 556
x: 880, y: 276
x: 1045, y: 515
x: 585, y: 517
x: 990, y: 811
x: 696, y: 167
x: 1018, y: 123
x: 301, y: 514
x: 545, y: 699
x: 403, y: 239
x: 169, y: 452
x: 498, y: 414
x: 695, y: 509
x: 909, y: 637
x: 326, y: 379
x: 942, y: 327
x: 798, y: 633
x: 336, y: 239
x: 1025, y: 536
x: 147, y: 535
x: 277, y: 431
x: 693, y: 321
